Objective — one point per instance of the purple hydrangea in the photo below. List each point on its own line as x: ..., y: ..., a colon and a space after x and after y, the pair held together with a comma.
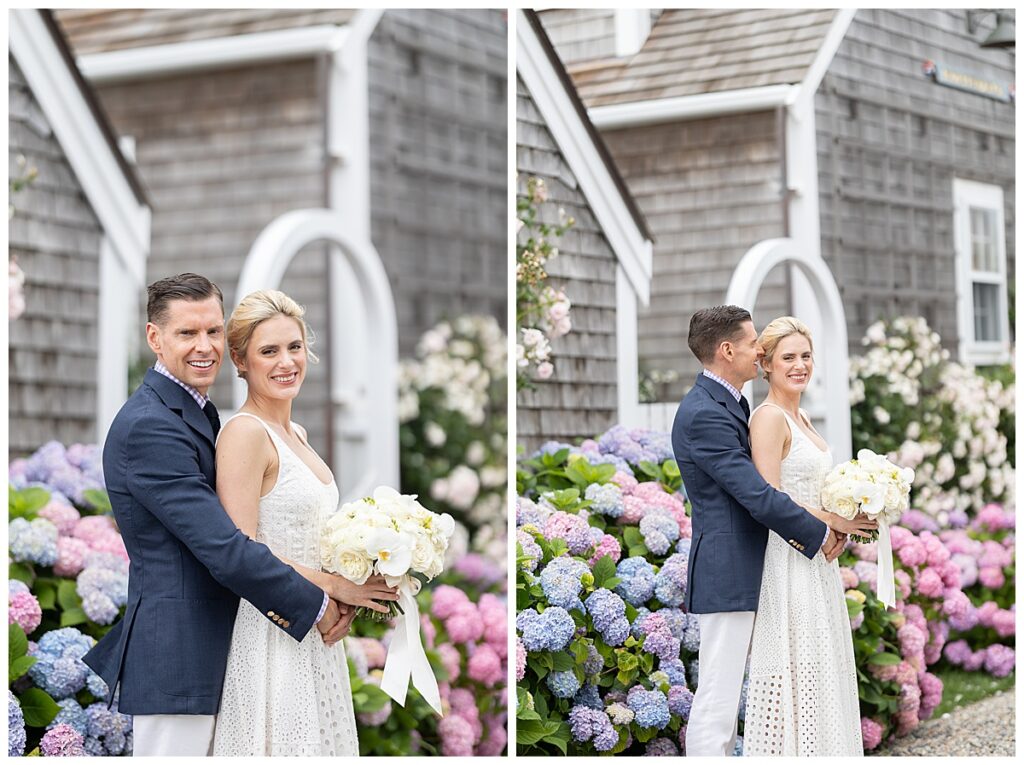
x: 690, y: 638
x: 594, y: 662
x: 659, y: 530
x: 675, y: 618
x: 527, y: 512
x: 530, y: 549
x: 593, y: 724
x: 608, y: 612
x: 560, y: 581
x: 573, y: 529
x: 62, y: 741
x: 606, y: 499
x: 109, y: 731
x: 658, y: 640
x: 71, y: 713
x: 563, y: 685
x: 33, y: 541
x: 670, y: 581
x: 620, y: 442
x: 637, y: 580
x: 549, y: 631
x: 999, y: 660
x: 661, y: 747
x: 649, y: 707
x: 103, y: 591
x: 675, y: 670
x: 15, y: 727
x: 680, y: 699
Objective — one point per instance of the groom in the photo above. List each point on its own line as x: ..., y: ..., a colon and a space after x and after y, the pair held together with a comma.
x: 733, y: 508
x: 189, y: 562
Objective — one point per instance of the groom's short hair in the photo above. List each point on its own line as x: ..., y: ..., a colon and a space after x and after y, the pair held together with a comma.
x: 710, y: 327
x: 181, y: 287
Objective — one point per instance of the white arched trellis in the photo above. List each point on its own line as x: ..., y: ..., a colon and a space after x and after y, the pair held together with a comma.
x: 830, y: 335
x: 363, y: 342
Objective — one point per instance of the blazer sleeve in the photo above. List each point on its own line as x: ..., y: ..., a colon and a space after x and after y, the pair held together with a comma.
x: 717, y: 449
x: 164, y: 477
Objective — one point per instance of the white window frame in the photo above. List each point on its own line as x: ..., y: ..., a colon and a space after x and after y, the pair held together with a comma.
x: 968, y: 194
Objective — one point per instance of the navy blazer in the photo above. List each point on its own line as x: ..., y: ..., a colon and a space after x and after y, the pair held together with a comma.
x: 733, y: 506
x: 189, y: 562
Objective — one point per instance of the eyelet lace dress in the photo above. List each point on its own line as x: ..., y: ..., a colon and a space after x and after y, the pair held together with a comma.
x: 802, y: 698
x: 283, y: 697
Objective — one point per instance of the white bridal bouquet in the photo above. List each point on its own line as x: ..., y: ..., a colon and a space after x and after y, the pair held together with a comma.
x: 393, y: 535
x: 872, y: 485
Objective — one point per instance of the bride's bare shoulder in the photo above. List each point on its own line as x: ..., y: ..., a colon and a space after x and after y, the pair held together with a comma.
x: 767, y: 421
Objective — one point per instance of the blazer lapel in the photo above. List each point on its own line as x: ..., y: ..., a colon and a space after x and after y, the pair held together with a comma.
x: 718, y: 392
x: 177, y: 400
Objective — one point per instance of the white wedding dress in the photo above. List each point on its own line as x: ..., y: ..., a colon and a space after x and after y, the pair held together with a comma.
x: 283, y: 697
x: 802, y: 698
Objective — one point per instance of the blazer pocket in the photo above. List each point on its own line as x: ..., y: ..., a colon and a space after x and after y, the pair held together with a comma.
x: 192, y: 641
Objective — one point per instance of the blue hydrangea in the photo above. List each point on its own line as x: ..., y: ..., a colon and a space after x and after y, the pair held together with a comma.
x: 683, y: 546
x: 680, y: 699
x: 549, y: 631
x: 527, y: 512
x: 659, y: 530
x: 72, y: 714
x: 606, y: 498
x: 690, y: 638
x: 637, y: 580
x: 109, y: 731
x: 596, y: 535
x: 737, y: 749
x: 563, y: 685
x: 675, y: 619
x: 657, y: 442
x: 670, y: 582
x: 32, y: 541
x: 676, y: 671
x: 594, y: 662
x: 650, y: 707
x: 743, y: 698
x: 59, y: 669
x: 15, y: 727
x: 16, y: 587
x: 103, y: 592
x: 560, y: 581
x: 553, y: 447
x: 97, y: 687
x: 608, y: 612
x: 593, y: 724
x: 620, y: 464
x: 588, y: 696
x: 636, y: 628
x: 620, y: 442
x: 692, y: 669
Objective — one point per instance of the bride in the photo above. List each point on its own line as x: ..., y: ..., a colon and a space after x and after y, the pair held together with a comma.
x: 281, y: 697
x: 802, y: 698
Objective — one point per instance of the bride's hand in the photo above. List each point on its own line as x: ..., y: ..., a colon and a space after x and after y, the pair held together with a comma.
x: 860, y: 525
x: 367, y: 594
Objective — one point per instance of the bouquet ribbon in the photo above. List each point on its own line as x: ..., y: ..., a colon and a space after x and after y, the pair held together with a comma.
x: 885, y: 586
x: 406, y: 657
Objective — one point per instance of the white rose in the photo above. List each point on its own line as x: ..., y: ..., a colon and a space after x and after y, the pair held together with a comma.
x: 435, y: 434
x: 352, y: 565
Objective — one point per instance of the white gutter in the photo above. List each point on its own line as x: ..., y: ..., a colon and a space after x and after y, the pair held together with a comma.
x: 194, y: 55
x: 690, y: 107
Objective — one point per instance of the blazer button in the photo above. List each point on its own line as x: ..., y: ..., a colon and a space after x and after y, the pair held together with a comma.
x: 271, y: 614
x: 286, y: 624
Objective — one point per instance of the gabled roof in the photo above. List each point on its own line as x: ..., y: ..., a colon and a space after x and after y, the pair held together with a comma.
x: 101, y: 31
x: 708, y: 50
x: 585, y: 151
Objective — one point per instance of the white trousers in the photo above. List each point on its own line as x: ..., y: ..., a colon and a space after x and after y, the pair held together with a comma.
x: 724, y: 646
x: 172, y: 735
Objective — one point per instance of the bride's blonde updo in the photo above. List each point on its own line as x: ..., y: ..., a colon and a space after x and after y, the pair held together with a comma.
x: 254, y: 309
x: 784, y: 326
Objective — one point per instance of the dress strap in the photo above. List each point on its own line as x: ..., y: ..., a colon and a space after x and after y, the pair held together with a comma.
x: 274, y: 438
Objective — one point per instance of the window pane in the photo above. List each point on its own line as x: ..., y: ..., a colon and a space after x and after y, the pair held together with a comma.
x: 983, y: 240
x: 986, y: 312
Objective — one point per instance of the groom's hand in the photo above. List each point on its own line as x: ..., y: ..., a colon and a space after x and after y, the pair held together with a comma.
x: 330, y: 619
x: 834, y: 545
x: 342, y: 625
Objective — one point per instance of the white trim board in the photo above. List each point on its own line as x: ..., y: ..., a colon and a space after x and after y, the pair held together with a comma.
x: 212, y: 53
x: 125, y: 222
x: 690, y: 107
x: 634, y: 252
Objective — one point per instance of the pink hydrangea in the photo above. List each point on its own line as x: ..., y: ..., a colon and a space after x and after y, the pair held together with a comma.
x: 929, y: 583
x: 849, y: 577
x: 975, y: 660
x: 111, y: 542
x: 463, y: 703
x: 62, y: 515
x: 956, y: 604
x: 93, y: 527
x: 931, y: 694
x: 900, y: 537
x: 884, y: 673
x: 451, y: 659
x: 23, y: 609
x: 911, y: 639
x: 520, y: 659
x: 493, y: 743
x: 915, y: 616
x: 374, y: 651
x: 903, y: 583
x: 633, y: 509
x: 991, y: 577
x: 912, y: 553
x: 986, y: 612
x: 71, y: 553
x: 1004, y: 623
x: 573, y: 529
x: 906, y: 721
x: 447, y: 600
x: 936, y: 551
x: 495, y: 618
x: 485, y: 666
x: 465, y: 625
x: 625, y: 481
x: 608, y: 545
x: 428, y: 629
x: 867, y: 551
x: 999, y: 660
x: 950, y: 573
x: 857, y: 622
x: 456, y: 736
x: 62, y: 741
x: 906, y: 674
x: 871, y: 733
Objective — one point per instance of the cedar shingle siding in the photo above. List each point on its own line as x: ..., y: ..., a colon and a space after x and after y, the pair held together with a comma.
x: 55, y: 237
x: 890, y: 142
x: 579, y: 400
